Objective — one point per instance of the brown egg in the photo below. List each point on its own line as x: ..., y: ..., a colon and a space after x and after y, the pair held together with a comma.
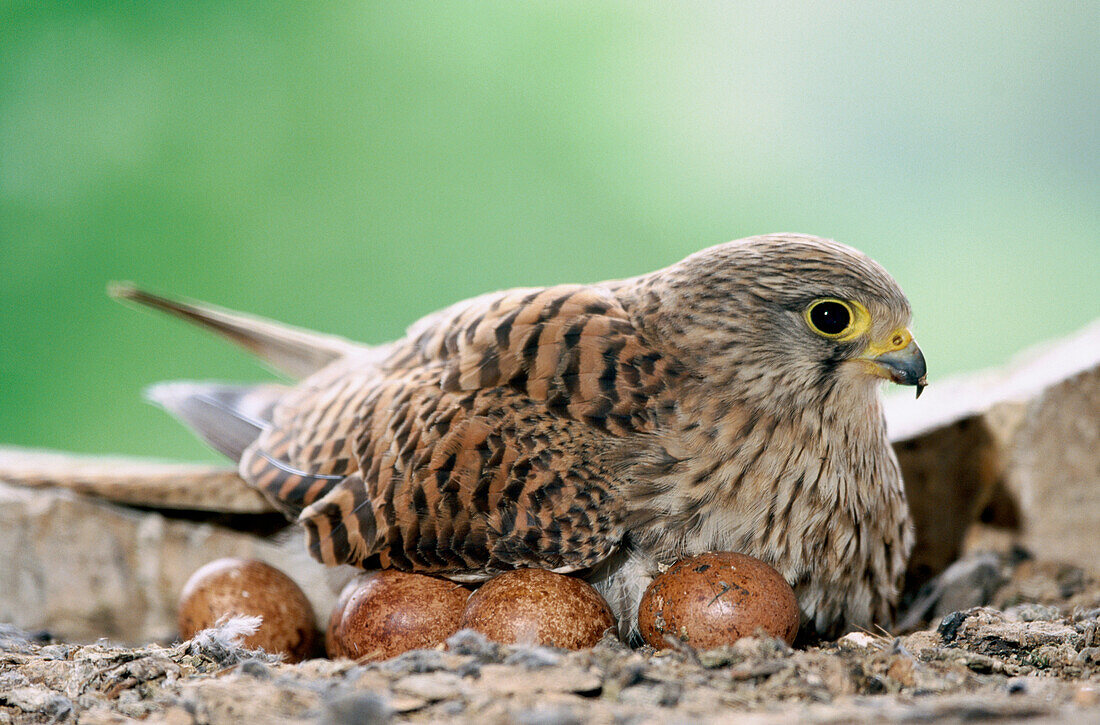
x: 242, y: 586
x: 332, y: 646
x: 389, y: 612
x: 535, y: 606
x: 714, y: 599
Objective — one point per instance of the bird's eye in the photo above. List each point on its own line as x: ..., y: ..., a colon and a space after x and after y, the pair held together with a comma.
x: 830, y: 318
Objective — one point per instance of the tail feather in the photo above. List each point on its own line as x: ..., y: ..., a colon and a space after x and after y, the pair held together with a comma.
x: 290, y: 350
x: 228, y: 417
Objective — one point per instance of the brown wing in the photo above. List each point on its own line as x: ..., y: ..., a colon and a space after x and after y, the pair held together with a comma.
x: 484, y: 442
x: 572, y: 348
x: 309, y: 447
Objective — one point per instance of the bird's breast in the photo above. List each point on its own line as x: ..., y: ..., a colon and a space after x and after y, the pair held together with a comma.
x: 823, y: 504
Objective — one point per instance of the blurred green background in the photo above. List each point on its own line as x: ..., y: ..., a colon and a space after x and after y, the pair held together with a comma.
x: 350, y: 167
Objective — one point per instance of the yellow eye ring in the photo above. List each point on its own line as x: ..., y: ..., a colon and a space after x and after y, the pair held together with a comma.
x: 835, y: 319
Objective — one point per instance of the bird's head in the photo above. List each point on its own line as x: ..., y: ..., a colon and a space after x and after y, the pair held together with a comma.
x: 787, y: 319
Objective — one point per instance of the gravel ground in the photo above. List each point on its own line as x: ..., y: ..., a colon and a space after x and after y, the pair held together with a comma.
x: 1034, y: 655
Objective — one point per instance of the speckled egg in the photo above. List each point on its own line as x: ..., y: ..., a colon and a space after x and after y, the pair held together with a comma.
x: 231, y: 586
x: 385, y: 613
x: 716, y: 598
x: 535, y: 606
x: 333, y: 647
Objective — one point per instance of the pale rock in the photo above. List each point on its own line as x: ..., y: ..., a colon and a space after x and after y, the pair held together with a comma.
x: 1022, y: 441
x: 430, y: 686
x: 1052, y: 468
x: 501, y: 680
x: 84, y: 569
x: 134, y: 481
x: 38, y: 700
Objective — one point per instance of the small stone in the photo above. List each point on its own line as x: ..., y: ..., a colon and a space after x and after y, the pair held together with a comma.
x: 452, y: 708
x: 717, y: 657
x: 471, y: 669
x: 860, y: 640
x: 430, y: 686
x: 501, y: 680
x: 533, y: 658
x: 358, y: 708
x: 669, y: 694
x: 416, y: 661
x: 471, y: 642
x: 1032, y: 612
x: 177, y: 715
x: 255, y: 668
x: 406, y: 703
x: 1087, y: 696
x: 38, y: 699
x: 549, y: 715
x: 900, y: 670
x: 949, y: 625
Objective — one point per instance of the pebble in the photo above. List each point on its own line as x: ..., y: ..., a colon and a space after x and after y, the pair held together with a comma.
x: 856, y: 639
x: 432, y: 686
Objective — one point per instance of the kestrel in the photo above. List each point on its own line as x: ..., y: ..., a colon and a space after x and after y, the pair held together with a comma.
x: 727, y: 402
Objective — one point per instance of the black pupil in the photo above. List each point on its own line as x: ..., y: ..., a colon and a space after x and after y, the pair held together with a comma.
x: 830, y: 317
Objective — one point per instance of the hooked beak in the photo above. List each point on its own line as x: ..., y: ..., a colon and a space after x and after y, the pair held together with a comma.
x: 899, y: 360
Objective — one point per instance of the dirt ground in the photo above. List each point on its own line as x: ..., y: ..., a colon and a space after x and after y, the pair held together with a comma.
x: 1033, y: 654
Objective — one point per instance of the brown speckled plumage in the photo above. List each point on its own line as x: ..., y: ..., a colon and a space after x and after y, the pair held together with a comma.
x: 606, y: 429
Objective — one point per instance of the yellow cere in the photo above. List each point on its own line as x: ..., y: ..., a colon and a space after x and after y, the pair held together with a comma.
x: 899, y: 339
